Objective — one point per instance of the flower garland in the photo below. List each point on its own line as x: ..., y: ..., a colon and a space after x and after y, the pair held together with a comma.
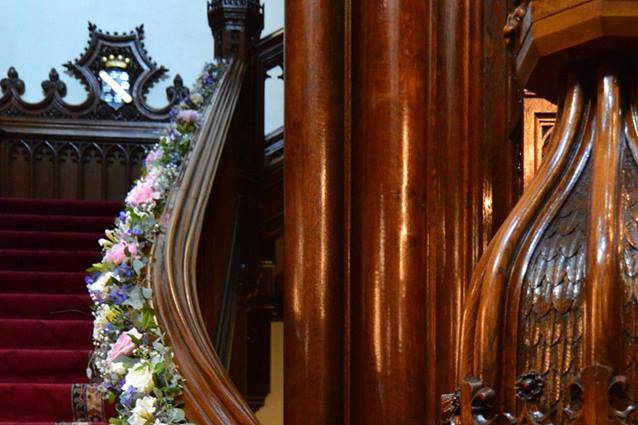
x: 131, y: 360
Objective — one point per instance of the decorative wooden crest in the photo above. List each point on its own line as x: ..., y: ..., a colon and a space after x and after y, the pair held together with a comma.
x: 117, y: 73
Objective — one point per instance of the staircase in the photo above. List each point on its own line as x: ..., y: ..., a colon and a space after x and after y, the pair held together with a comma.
x: 45, y: 317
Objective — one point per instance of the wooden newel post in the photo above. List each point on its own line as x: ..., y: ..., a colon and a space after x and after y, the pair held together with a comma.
x: 549, y: 328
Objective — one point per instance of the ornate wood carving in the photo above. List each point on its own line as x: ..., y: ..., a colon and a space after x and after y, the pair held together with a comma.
x: 123, y: 51
x: 539, y: 116
x: 548, y: 331
x: 236, y: 26
x: 46, y: 167
x: 89, y: 150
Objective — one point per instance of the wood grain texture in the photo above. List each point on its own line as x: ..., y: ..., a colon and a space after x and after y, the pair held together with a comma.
x: 313, y: 221
x: 388, y: 301
x: 209, y: 394
x: 549, y: 330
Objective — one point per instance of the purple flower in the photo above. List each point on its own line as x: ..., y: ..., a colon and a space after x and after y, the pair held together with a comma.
x: 118, y: 296
x: 128, y: 396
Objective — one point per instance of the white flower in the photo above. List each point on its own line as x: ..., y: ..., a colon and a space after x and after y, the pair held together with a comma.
x: 99, y: 285
x: 139, y: 377
x: 145, y: 407
x: 117, y: 368
x: 197, y: 98
x: 135, y: 334
x: 136, y: 420
x: 101, y: 320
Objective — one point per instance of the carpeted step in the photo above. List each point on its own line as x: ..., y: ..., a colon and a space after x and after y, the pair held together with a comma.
x: 49, y: 240
x: 44, y: 366
x: 42, y: 282
x: 59, y: 207
x: 35, y: 402
x: 45, y: 321
x: 46, y: 334
x: 55, y: 223
x: 45, y: 306
x: 57, y: 261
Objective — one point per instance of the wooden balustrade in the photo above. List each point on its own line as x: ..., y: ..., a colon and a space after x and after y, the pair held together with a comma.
x: 209, y: 394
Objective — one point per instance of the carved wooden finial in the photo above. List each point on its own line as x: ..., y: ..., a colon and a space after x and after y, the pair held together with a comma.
x: 12, y: 82
x: 236, y: 25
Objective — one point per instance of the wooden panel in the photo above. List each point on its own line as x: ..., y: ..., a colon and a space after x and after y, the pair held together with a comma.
x: 539, y: 119
x: 44, y: 167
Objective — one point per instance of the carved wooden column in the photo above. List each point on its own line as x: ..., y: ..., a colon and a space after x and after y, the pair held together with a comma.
x: 549, y: 328
x: 388, y: 298
x: 313, y: 182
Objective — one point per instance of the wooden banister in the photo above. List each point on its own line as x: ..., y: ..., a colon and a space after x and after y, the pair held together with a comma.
x: 210, y: 396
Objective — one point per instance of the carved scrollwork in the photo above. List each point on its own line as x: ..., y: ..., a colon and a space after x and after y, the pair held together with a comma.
x: 594, y: 383
x: 529, y: 386
x: 514, y: 22
x: 450, y: 406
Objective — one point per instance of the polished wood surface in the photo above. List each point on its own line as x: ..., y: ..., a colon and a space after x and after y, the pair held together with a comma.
x: 209, y: 394
x: 388, y: 295
x: 548, y: 328
x: 554, y: 34
x: 313, y: 222
x: 473, y: 162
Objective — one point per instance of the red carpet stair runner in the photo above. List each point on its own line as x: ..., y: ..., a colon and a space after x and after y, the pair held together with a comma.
x: 45, y: 320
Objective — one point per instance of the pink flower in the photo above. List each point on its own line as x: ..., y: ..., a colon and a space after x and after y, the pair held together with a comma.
x: 144, y: 192
x: 153, y: 155
x: 117, y: 253
x: 122, y: 347
x: 188, y: 116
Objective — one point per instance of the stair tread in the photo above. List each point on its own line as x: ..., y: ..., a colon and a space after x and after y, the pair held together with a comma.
x: 45, y: 306
x: 43, y: 366
x: 46, y: 333
x: 46, y: 324
x: 49, y: 260
x: 58, y: 206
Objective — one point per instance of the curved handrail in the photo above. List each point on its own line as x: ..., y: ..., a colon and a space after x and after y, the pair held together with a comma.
x: 209, y: 394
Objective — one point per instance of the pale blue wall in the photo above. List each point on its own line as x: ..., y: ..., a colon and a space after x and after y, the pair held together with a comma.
x: 40, y: 34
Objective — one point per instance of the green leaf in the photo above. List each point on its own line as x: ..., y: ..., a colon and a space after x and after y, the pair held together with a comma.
x: 138, y: 266
x: 147, y: 320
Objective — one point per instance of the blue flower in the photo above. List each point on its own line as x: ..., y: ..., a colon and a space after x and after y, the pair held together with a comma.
x: 123, y: 272
x: 128, y: 396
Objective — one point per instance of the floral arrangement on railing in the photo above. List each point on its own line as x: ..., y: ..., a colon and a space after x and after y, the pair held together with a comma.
x: 131, y: 360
